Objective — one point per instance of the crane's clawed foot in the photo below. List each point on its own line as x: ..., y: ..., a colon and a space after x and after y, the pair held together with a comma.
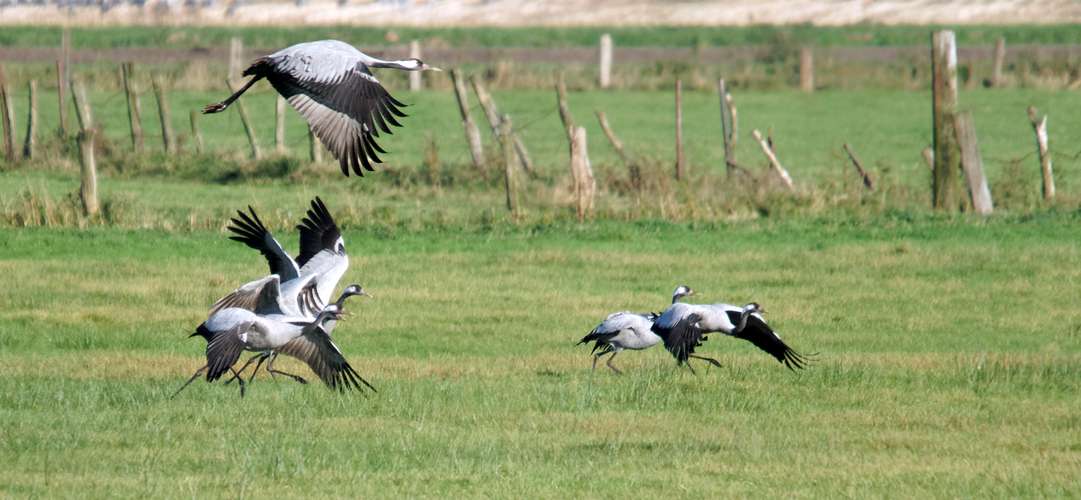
x: 215, y: 108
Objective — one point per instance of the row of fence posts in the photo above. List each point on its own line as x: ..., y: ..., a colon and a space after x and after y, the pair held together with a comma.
x: 955, y: 141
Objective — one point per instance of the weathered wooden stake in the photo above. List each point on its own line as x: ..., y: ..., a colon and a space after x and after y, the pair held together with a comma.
x: 679, y: 129
x: 315, y: 148
x: 414, y: 76
x: 8, y: 111
x: 929, y: 158
x: 31, y: 122
x: 256, y: 151
x: 972, y: 164
x: 1000, y: 58
x: 612, y: 138
x: 773, y: 159
x: 726, y: 127
x: 167, y: 137
x: 236, y: 50
x: 63, y: 77
x: 561, y: 97
x: 859, y: 168
x: 198, y: 137
x: 944, y: 85
x: 492, y: 112
x: 472, y: 134
x: 88, y: 189
x: 1040, y: 126
x: 279, y: 125
x: 733, y: 134
x: 509, y: 162
x: 584, y: 182
x: 131, y: 93
x: 606, y: 61
x: 806, y: 70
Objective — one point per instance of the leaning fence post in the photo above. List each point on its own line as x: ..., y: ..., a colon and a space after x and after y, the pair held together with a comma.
x: 134, y: 112
x: 88, y: 189
x: 492, y: 112
x: 612, y: 138
x: 859, y: 168
x: 256, y: 152
x: 9, y: 122
x: 167, y: 137
x: 315, y: 148
x: 195, y: 132
x: 773, y: 159
x: 63, y: 78
x: 472, y: 134
x: 561, y: 99
x: 236, y: 49
x: 1040, y: 126
x: 679, y: 129
x: 944, y: 85
x: 972, y: 164
x: 31, y: 122
x: 505, y: 132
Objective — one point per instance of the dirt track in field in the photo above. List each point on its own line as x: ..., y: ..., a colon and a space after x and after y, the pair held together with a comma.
x: 442, y: 13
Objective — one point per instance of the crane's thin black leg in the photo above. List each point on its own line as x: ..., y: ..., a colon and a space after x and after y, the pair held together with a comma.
x: 218, y: 107
x: 595, y: 358
x: 190, y: 380
x: 711, y: 360
x: 239, y: 380
x: 691, y: 368
x: 270, y: 368
x: 263, y: 355
x: 610, y: 365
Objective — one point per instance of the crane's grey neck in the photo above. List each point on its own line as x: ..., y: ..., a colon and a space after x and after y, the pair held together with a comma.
x: 747, y: 311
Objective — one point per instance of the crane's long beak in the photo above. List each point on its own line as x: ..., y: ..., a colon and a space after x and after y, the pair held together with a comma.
x: 366, y: 294
x: 425, y: 67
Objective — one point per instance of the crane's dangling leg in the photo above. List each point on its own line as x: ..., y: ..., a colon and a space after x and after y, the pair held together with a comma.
x: 711, y: 360
x: 218, y: 107
x: 262, y: 356
x: 239, y: 380
x: 610, y: 365
x: 190, y: 380
x: 270, y: 368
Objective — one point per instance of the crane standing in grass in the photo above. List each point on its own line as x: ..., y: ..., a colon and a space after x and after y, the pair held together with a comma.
x: 331, y: 85
x: 627, y: 330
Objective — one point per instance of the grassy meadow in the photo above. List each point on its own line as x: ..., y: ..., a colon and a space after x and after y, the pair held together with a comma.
x: 945, y: 346
x: 946, y: 365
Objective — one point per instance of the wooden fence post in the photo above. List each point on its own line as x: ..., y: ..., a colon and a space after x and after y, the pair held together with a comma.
x: 1000, y: 57
x: 733, y: 134
x: 679, y: 129
x: 505, y: 137
x: 606, y: 61
x: 972, y: 164
x: 31, y: 122
x: 1040, y: 126
x: 929, y: 158
x: 63, y: 78
x: 236, y: 50
x: 561, y: 97
x: 315, y: 148
x: 256, y: 151
x: 612, y: 138
x: 279, y: 124
x: 8, y: 111
x: 584, y: 182
x: 472, y: 134
x: 135, y: 115
x: 859, y: 168
x: 492, y: 112
x: 944, y: 85
x: 725, y: 126
x: 806, y: 70
x: 168, y: 140
x: 198, y: 137
x: 773, y: 159
x: 88, y: 189
x: 414, y: 76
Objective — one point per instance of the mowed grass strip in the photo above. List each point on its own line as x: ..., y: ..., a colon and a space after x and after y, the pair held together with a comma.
x: 945, y: 368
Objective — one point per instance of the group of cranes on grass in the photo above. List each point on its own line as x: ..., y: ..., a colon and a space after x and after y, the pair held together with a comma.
x: 683, y: 327
x: 284, y: 312
x: 331, y: 85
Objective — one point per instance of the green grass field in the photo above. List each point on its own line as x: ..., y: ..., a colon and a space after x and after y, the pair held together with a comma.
x: 947, y: 354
